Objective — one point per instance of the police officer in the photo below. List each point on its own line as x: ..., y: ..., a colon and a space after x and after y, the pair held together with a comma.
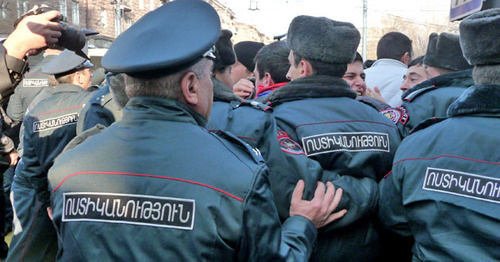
x: 105, y: 106
x: 449, y: 75
x: 317, y: 115
x: 445, y: 183
x: 48, y: 127
x: 174, y: 191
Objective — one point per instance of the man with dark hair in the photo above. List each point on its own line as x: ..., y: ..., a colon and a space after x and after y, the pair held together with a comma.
x: 317, y: 116
x: 415, y: 74
x: 242, y: 70
x: 449, y: 75
x: 49, y: 126
x: 181, y: 193
x: 444, y: 187
x: 271, y: 66
x: 394, y: 51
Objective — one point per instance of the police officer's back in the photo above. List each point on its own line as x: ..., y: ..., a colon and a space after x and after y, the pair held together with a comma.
x: 48, y: 127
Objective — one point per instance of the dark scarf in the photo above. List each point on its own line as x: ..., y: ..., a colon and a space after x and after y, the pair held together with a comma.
x: 480, y: 99
x: 315, y: 86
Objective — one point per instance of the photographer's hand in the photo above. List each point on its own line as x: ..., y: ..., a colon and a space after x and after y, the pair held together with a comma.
x: 33, y: 34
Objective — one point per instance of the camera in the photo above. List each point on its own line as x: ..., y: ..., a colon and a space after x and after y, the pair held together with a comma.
x: 71, y: 38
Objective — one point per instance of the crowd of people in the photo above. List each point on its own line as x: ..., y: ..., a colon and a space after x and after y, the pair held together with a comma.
x: 187, y: 148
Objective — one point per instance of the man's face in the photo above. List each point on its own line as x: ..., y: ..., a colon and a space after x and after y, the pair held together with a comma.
x: 414, y: 75
x: 355, y: 76
x: 239, y: 71
x: 294, y: 71
x: 206, y: 94
x: 86, y: 77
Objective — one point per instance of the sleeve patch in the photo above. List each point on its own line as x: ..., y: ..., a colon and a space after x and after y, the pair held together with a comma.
x: 288, y: 145
x: 398, y: 114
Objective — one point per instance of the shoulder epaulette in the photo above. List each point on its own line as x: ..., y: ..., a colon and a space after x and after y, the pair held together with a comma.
x: 427, y: 123
x: 255, y: 104
x: 254, y: 152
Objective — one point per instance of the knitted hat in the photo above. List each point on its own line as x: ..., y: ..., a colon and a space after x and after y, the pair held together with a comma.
x: 479, y: 34
x: 224, y: 54
x: 246, y: 51
x: 323, y: 39
x: 444, y: 51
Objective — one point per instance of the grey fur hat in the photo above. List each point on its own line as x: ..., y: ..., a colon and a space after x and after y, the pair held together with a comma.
x: 479, y: 37
x: 444, y: 51
x: 323, y: 39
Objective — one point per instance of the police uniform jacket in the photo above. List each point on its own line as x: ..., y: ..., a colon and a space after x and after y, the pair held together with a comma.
x: 254, y: 123
x: 48, y: 128
x: 444, y: 188
x: 101, y: 109
x: 31, y: 85
x: 184, y: 193
x: 318, y: 117
x: 429, y: 100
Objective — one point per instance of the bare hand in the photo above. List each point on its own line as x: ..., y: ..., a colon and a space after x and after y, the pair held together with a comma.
x: 375, y: 93
x: 13, y: 158
x: 33, y: 34
x: 243, y: 88
x: 319, y: 209
x: 49, y: 212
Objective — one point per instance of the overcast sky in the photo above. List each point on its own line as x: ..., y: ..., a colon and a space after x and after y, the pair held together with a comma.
x: 274, y: 16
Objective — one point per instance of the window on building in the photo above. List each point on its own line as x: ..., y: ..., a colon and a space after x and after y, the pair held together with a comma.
x: 141, y: 4
x: 151, y: 4
x: 75, y: 12
x: 104, y: 18
x: 63, y: 8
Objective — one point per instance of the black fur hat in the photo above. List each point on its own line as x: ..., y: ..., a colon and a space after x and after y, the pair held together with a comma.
x: 479, y: 37
x: 224, y: 53
x: 323, y: 39
x: 444, y: 51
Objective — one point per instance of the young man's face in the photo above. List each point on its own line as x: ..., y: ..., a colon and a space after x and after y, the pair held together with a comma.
x: 414, y: 75
x: 294, y: 71
x: 355, y: 76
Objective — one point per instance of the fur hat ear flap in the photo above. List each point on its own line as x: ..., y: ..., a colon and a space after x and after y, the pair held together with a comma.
x: 479, y: 34
x: 444, y: 51
x: 224, y: 53
x: 323, y: 39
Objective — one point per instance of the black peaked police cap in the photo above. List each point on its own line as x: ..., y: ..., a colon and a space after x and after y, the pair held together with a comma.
x: 166, y: 40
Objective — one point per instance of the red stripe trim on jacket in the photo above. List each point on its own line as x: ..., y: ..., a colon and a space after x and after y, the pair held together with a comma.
x: 144, y: 175
x: 441, y: 156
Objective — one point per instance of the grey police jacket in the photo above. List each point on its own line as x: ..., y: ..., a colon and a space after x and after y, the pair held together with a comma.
x: 444, y: 189
x: 318, y: 117
x: 48, y: 128
x: 429, y: 100
x: 254, y: 123
x: 170, y: 190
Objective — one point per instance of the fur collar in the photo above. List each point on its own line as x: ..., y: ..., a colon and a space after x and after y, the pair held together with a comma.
x: 480, y: 99
x: 223, y: 93
x: 456, y: 79
x: 315, y: 86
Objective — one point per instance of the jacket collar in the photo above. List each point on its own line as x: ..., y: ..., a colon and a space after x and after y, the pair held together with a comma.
x: 388, y: 62
x: 315, y: 86
x: 223, y: 93
x: 480, y: 99
x: 68, y: 88
x: 144, y: 107
x: 456, y: 79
